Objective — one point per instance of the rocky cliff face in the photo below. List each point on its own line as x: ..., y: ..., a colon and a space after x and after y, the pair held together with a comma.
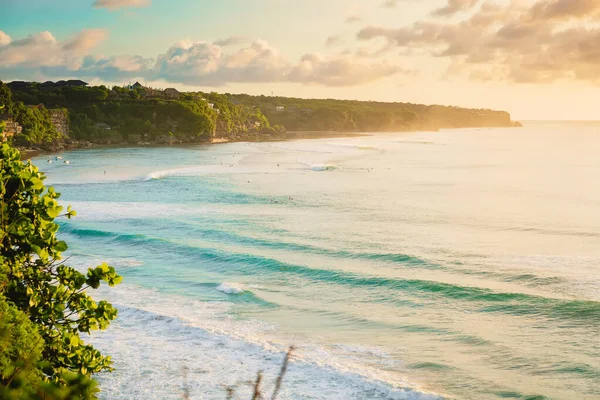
x: 60, y: 120
x: 11, y: 128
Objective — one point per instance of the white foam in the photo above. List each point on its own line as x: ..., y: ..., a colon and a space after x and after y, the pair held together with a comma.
x: 357, y: 146
x: 220, y: 169
x: 105, y: 210
x: 156, y: 335
x: 230, y: 288
x: 323, y: 167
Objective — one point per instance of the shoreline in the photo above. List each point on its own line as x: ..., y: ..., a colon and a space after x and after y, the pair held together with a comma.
x: 27, y: 153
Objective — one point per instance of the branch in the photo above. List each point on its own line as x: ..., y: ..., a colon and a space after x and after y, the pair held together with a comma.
x: 284, y: 367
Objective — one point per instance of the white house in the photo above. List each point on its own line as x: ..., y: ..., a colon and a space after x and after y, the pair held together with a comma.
x: 280, y: 108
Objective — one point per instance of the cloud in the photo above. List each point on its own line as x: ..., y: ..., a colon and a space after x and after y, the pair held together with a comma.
x: 203, y: 63
x: 85, y: 41
x: 232, y: 41
x: 390, y: 3
x: 565, y: 9
x: 113, y: 5
x: 522, y: 41
x: 339, y: 71
x: 333, y: 41
x: 44, y: 50
x: 121, y: 67
x: 394, y: 3
x: 353, y: 14
x: 4, y: 39
x: 186, y: 62
x: 455, y: 6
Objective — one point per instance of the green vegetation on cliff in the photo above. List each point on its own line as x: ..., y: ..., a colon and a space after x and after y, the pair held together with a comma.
x: 101, y: 115
x: 140, y: 115
x: 35, y: 120
x: 367, y: 116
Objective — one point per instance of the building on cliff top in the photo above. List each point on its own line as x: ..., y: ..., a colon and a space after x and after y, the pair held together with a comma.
x: 72, y: 82
x: 48, y: 84
x: 171, y: 93
x: 17, y: 84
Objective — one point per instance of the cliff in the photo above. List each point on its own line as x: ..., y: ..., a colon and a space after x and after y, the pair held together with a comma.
x: 60, y: 120
x: 136, y: 115
x: 75, y: 114
x: 368, y: 116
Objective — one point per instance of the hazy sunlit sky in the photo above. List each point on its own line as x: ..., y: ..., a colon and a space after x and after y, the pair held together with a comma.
x: 536, y: 59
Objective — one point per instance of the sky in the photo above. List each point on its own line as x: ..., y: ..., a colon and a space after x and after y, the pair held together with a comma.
x: 537, y: 59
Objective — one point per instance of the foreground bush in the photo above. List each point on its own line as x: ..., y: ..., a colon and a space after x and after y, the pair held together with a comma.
x: 41, y: 298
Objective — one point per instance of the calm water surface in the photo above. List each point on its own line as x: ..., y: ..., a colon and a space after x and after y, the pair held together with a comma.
x: 456, y: 264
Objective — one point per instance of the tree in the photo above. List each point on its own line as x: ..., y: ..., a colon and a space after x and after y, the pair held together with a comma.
x: 22, y: 366
x: 36, y: 282
x: 37, y: 126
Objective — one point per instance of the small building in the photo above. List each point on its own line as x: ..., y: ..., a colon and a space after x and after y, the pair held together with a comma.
x: 150, y: 93
x: 17, y: 84
x: 211, y: 106
x: 171, y: 93
x: 47, y: 85
x: 280, y: 108
x: 137, y: 85
x: 60, y: 84
x: 76, y: 82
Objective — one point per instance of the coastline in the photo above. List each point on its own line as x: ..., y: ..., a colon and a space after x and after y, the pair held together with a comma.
x: 258, y: 138
x: 291, y: 135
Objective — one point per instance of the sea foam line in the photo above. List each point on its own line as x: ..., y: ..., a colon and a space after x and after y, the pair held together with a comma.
x: 156, y: 335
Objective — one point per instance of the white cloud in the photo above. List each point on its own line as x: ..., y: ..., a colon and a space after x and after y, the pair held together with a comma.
x: 203, y: 63
x: 44, y: 50
x: 333, y: 41
x: 231, y: 41
x: 339, y: 71
x: 88, y: 39
x: 353, y: 18
x: 121, y: 64
x: 390, y: 4
x: 534, y: 41
x: 353, y: 14
x: 455, y: 6
x: 187, y: 62
x: 113, y: 5
x: 4, y: 39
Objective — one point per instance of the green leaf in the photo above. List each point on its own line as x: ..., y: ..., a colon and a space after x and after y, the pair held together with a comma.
x: 61, y: 246
x: 54, y: 212
x: 37, y: 183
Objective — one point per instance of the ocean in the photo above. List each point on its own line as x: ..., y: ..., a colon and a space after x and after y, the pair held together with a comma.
x: 460, y: 264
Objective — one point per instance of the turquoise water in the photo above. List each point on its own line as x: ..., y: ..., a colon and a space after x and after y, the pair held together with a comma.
x: 455, y: 264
